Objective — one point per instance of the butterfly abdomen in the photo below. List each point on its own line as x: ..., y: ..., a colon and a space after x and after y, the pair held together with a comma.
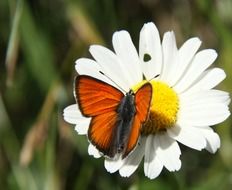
x: 126, y: 111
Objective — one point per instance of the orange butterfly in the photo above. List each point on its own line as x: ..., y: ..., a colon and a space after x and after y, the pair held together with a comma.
x: 116, y: 118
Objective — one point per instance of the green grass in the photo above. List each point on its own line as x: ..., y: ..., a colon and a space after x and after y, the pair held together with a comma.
x: 39, y: 43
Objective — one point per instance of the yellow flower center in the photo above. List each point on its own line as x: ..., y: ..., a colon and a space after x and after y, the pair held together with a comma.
x: 163, y: 109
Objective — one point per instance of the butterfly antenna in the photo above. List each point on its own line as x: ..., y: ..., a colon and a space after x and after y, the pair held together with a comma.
x: 154, y: 77
x: 113, y: 81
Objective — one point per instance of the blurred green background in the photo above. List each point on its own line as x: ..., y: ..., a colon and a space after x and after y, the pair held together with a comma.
x: 39, y: 43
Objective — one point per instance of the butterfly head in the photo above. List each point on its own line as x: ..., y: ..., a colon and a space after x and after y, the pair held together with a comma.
x: 131, y: 92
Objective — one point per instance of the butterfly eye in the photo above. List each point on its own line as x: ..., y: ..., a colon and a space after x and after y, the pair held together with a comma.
x: 146, y: 57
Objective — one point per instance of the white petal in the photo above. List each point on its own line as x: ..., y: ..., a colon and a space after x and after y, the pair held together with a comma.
x: 169, y: 56
x: 149, y: 43
x: 132, y: 161
x: 184, y: 58
x: 200, y: 63
x: 208, y: 80
x: 113, y: 164
x: 188, y: 136
x: 82, y: 126
x: 90, y: 67
x: 212, y: 138
x: 152, y: 164
x: 128, y: 56
x: 110, y: 65
x: 203, y: 108
x: 204, y: 97
x: 73, y: 115
x: 203, y: 114
x: 93, y: 151
x: 168, y: 152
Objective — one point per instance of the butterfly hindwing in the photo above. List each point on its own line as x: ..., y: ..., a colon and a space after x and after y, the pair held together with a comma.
x: 95, y: 97
x: 101, y: 132
x: 133, y: 137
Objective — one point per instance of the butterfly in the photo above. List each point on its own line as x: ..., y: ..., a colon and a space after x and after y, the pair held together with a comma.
x: 116, y: 119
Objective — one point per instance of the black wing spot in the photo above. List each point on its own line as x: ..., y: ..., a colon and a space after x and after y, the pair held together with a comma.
x: 146, y: 57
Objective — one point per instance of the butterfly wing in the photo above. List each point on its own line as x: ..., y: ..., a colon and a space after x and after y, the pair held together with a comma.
x: 99, y: 100
x: 142, y: 103
x: 101, y: 132
x: 96, y: 97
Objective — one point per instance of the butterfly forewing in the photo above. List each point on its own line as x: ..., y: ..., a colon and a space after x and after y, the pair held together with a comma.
x: 96, y: 97
x: 142, y: 103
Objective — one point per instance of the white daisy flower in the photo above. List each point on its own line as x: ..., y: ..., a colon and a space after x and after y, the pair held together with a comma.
x: 184, y: 104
